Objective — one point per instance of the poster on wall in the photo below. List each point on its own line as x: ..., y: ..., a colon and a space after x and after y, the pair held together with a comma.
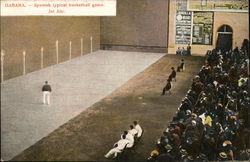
x: 183, y: 27
x: 181, y: 5
x: 218, y: 5
x: 202, y: 28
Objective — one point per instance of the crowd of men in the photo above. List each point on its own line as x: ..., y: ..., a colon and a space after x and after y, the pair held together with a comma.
x: 212, y: 122
x: 127, y: 141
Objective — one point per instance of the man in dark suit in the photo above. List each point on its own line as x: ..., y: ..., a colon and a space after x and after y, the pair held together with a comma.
x: 172, y: 76
x: 182, y: 66
x: 189, y: 50
x: 167, y: 87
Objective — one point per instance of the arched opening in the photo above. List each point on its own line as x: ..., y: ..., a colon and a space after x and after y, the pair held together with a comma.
x: 225, y: 38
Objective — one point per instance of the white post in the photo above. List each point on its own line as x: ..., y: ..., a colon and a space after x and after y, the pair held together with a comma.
x: 41, y: 57
x: 91, y: 44
x: 24, y: 66
x: 57, y: 51
x: 81, y: 46
x: 2, y: 61
x: 70, y: 49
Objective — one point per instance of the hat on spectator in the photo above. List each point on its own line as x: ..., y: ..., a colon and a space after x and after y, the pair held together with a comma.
x: 183, y: 151
x: 233, y: 117
x: 188, y: 112
x: 223, y: 155
x: 193, y: 122
x: 168, y: 147
x: 190, y: 157
x: 194, y: 115
x: 154, y: 153
x: 225, y: 143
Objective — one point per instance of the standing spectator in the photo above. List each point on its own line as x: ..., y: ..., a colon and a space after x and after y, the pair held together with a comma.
x: 167, y: 87
x: 46, y: 93
x: 189, y: 50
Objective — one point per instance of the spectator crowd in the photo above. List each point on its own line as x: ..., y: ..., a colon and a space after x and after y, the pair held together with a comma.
x: 212, y: 121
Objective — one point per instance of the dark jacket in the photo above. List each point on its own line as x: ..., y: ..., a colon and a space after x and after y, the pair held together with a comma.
x: 168, y: 86
x: 172, y: 75
x: 46, y: 87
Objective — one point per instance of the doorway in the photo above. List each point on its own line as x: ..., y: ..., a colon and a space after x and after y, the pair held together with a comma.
x: 225, y: 38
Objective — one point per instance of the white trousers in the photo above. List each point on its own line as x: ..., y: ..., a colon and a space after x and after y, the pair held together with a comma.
x: 114, y: 151
x: 46, y: 97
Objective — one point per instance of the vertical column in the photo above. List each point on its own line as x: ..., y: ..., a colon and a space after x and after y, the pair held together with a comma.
x: 2, y: 62
x: 192, y: 26
x: 91, y: 44
x: 24, y: 63
x: 81, y: 46
x: 41, y: 57
x: 57, y: 51
x: 70, y: 49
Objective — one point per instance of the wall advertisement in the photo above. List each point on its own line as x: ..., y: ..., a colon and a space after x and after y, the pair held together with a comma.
x: 202, y: 28
x: 183, y: 27
x: 218, y: 5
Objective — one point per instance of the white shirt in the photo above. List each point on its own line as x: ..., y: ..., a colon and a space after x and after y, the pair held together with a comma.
x: 203, y: 117
x: 130, y: 137
x: 122, y: 143
x: 139, y: 130
x: 133, y: 132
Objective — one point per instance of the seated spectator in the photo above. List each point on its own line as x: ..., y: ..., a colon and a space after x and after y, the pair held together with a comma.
x: 181, y: 67
x: 153, y: 155
x: 227, y: 147
x: 129, y: 137
x: 178, y: 51
x: 138, y: 129
x: 168, y: 155
x: 183, y: 51
x: 172, y: 76
x: 118, y: 147
x: 167, y: 88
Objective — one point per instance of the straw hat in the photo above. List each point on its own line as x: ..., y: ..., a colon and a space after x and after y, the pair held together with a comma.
x: 154, y: 153
x: 223, y: 155
x: 183, y: 151
x: 190, y: 157
x: 225, y: 143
